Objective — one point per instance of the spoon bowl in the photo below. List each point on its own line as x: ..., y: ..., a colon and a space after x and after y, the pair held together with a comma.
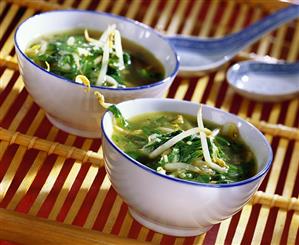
x: 199, y: 55
x: 265, y: 82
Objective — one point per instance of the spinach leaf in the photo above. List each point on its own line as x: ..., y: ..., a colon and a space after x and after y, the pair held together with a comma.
x: 127, y: 59
x: 147, y: 74
x: 120, y: 120
x: 115, y: 73
x: 202, y: 178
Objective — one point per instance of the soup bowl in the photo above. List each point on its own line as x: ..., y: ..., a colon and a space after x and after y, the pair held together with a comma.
x: 174, y: 206
x: 68, y: 106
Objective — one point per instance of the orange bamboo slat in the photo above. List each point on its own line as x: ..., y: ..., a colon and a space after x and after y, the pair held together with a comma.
x: 36, y: 5
x: 28, y: 230
x: 43, y: 171
x: 51, y: 147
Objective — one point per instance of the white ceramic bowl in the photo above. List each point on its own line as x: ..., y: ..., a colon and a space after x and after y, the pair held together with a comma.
x: 66, y: 103
x: 174, y: 206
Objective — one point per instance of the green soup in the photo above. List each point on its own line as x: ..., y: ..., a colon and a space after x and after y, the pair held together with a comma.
x: 70, y: 54
x: 185, y: 159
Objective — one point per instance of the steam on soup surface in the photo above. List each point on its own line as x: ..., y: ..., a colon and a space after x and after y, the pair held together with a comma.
x: 166, y: 142
x: 97, y: 56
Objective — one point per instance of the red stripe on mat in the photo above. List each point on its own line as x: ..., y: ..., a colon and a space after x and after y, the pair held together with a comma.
x: 120, y: 219
x: 34, y: 190
x: 105, y: 210
x: 73, y: 192
x: 134, y: 230
x: 89, y: 199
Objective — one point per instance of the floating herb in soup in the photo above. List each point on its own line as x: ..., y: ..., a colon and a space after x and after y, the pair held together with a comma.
x: 180, y: 146
x: 96, y: 61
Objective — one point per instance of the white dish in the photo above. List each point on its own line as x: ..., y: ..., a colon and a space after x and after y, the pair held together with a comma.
x: 263, y: 81
x: 66, y: 103
x: 174, y: 206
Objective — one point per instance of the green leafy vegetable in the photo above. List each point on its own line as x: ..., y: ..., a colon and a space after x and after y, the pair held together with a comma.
x: 72, y: 54
x: 120, y: 120
x: 185, y: 159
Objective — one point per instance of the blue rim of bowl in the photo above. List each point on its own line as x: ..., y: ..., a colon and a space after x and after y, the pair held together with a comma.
x: 239, y: 183
x: 146, y: 27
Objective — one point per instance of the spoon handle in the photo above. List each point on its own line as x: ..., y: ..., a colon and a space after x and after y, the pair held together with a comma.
x: 237, y: 41
x: 269, y: 23
x: 285, y: 68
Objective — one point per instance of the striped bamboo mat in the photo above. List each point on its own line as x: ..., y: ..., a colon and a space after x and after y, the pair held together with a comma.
x: 51, y: 182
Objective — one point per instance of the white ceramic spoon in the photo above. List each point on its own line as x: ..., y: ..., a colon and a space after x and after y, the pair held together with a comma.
x: 201, y: 55
x: 263, y: 81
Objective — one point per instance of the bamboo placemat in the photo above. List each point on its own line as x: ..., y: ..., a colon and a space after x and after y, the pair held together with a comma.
x: 41, y: 170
